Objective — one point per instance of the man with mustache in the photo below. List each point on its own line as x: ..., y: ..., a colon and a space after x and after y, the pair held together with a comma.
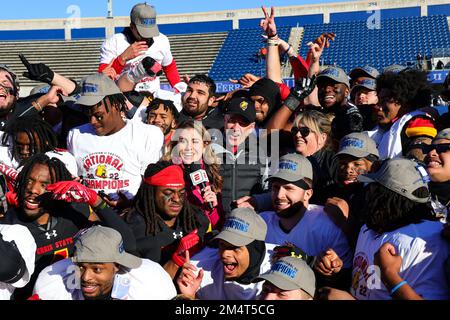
x: 106, y: 272
x: 198, y: 100
x: 305, y: 226
x: 54, y: 223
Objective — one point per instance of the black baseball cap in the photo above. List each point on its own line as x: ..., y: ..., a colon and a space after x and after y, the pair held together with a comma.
x: 242, y: 106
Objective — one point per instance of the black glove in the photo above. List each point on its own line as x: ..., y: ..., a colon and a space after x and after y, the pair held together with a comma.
x: 152, y: 67
x: 37, y: 71
x: 302, y: 88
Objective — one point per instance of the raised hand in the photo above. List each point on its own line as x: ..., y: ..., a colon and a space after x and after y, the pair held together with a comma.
x: 188, y: 282
x: 37, y: 71
x: 72, y: 191
x: 303, y: 87
x: 186, y: 243
x: 247, y: 80
x: 268, y: 23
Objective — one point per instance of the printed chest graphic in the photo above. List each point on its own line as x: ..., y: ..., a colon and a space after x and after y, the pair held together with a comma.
x: 104, y: 170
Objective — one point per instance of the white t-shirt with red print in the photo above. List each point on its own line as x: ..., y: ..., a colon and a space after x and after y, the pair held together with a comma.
x: 117, y: 161
x: 159, y: 50
x: 423, y: 252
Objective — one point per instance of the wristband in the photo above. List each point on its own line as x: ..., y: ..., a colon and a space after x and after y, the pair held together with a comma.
x: 272, y: 42
x: 101, y: 206
x: 398, y: 287
x: 291, y: 103
x: 272, y: 36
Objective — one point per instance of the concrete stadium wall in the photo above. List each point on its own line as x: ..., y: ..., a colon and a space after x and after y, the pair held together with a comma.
x: 58, y: 29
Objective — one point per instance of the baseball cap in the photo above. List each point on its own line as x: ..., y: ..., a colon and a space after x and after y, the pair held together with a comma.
x: 359, y: 145
x: 366, y: 71
x: 293, y: 167
x: 143, y: 16
x: 402, y: 176
x: 243, y: 226
x: 290, y: 273
x: 100, y: 244
x: 95, y: 88
x: 369, y: 84
x: 443, y: 134
x: 242, y: 106
x: 336, y: 74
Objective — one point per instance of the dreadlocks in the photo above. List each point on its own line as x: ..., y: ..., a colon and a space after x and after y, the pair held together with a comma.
x: 40, y: 134
x: 115, y: 100
x: 388, y: 210
x: 57, y: 169
x: 145, y: 205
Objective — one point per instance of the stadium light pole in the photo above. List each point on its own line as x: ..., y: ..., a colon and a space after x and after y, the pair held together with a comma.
x: 110, y: 9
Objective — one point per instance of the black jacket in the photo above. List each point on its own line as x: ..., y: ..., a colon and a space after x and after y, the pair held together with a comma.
x: 243, y: 173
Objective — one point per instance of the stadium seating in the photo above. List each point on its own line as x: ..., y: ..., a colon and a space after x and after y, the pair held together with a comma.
x: 238, y: 54
x: 194, y: 53
x: 397, y: 41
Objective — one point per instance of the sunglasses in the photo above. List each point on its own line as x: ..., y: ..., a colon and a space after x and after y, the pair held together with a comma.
x: 304, y: 131
x: 440, y: 148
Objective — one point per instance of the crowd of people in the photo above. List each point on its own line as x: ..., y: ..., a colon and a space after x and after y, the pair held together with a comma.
x: 111, y: 188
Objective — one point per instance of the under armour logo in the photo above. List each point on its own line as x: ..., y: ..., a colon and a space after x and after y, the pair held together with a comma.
x: 178, y: 236
x: 49, y: 235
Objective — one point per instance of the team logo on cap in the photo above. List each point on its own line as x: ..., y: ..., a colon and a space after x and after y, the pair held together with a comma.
x: 352, y: 143
x: 287, y: 165
x: 148, y: 21
x: 243, y: 105
x: 331, y: 72
x: 237, y: 224
x: 423, y: 174
x: 121, y: 248
x: 285, y: 268
x: 89, y: 88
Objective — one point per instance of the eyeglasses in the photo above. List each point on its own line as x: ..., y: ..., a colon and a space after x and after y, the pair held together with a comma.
x: 440, y: 148
x: 304, y: 131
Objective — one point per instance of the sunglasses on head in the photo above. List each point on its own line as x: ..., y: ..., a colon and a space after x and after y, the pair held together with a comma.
x: 304, y: 131
x: 440, y: 148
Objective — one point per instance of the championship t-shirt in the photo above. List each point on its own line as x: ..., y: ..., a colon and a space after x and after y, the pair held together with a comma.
x: 423, y: 253
x: 117, y: 161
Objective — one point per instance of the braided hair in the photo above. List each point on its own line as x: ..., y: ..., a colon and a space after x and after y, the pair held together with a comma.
x: 144, y: 204
x: 40, y: 133
x: 57, y: 169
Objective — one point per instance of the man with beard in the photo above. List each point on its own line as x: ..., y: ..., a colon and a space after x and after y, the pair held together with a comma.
x: 226, y: 273
x: 163, y: 114
x: 305, y: 226
x: 53, y: 223
x: 106, y: 272
x: 333, y: 88
x: 198, y: 103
